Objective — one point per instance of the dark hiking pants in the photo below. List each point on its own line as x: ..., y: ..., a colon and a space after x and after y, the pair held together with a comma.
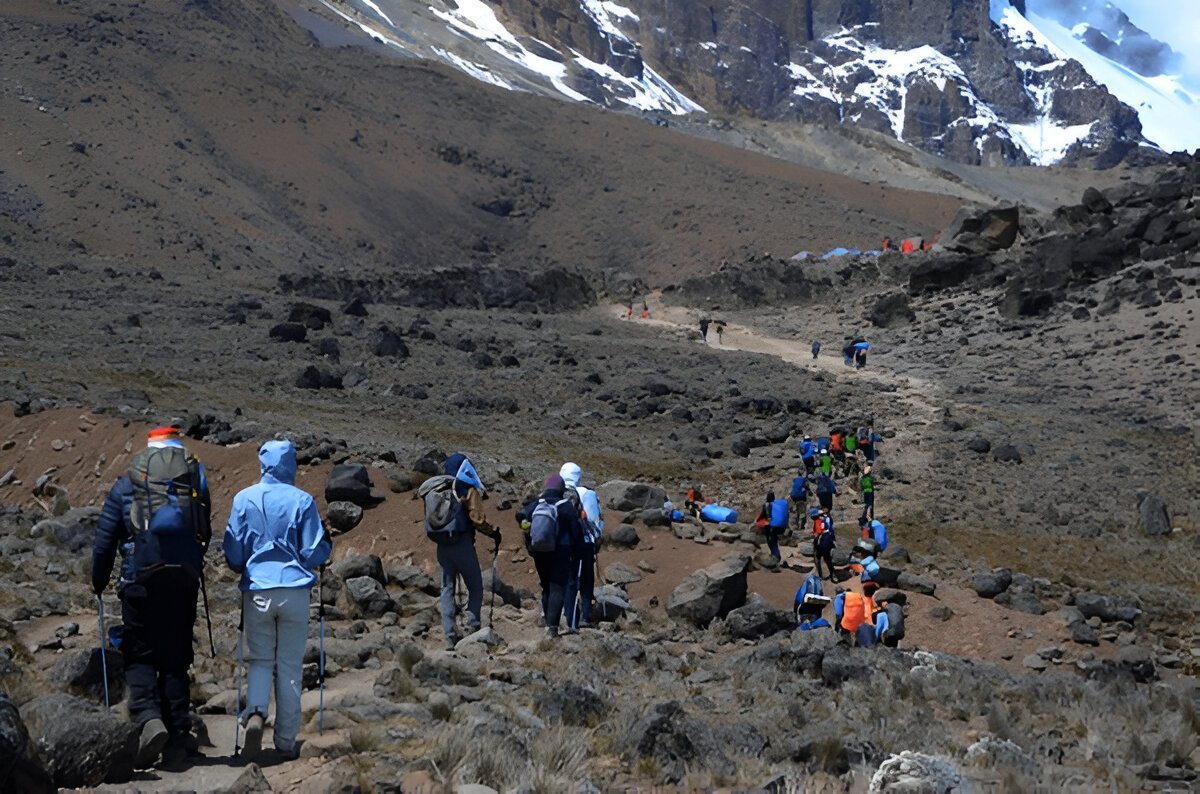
x: 159, y: 614
x: 459, y: 559
x: 582, y: 584
x: 554, y: 571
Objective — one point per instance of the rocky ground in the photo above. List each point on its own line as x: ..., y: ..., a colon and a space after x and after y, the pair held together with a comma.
x: 1037, y: 401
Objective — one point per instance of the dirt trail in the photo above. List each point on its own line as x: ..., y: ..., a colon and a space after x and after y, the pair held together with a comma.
x: 912, y: 394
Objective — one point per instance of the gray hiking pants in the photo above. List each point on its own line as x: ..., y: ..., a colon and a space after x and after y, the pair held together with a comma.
x: 459, y: 559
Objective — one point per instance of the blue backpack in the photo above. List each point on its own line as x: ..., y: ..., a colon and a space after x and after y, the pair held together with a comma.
x: 825, y: 485
x: 800, y: 488
x: 811, y: 586
x: 870, y: 568
x: 543, y: 527
x: 779, y: 513
x: 879, y: 531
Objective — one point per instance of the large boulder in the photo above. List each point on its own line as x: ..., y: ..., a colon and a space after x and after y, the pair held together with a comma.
x: 711, y: 592
x: 1152, y: 514
x: 81, y: 744
x: 626, y: 496
x: 611, y: 603
x: 356, y: 564
x: 343, y: 516
x: 367, y: 598
x: 990, y: 584
x: 758, y: 619
x: 350, y: 482
x: 981, y: 231
x: 81, y: 672
x: 678, y: 742
x: 1108, y: 608
x: 25, y: 771
x: 912, y: 771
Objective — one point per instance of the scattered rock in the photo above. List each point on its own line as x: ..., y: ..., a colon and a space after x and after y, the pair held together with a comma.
x: 915, y: 584
x: 24, y: 772
x: 289, y: 332
x: 710, y: 593
x: 620, y: 573
x: 624, y: 535
x: 367, y: 597
x: 757, y: 619
x: 992, y: 583
x: 356, y: 564
x: 1035, y: 662
x: 343, y: 516
x: 1108, y: 608
x: 1006, y: 453
x: 625, y: 496
x: 1152, y: 514
x: 350, y: 482
x: 81, y: 744
x: 917, y: 772
x: 1084, y: 634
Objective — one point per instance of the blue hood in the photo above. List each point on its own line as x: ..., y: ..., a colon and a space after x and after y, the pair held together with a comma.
x: 277, y: 459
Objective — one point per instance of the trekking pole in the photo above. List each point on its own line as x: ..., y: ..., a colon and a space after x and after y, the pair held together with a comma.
x: 321, y: 658
x: 492, y: 602
x: 237, y: 698
x: 212, y: 646
x: 103, y: 650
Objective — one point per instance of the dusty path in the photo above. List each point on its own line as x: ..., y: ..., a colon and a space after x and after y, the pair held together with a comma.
x: 913, y: 396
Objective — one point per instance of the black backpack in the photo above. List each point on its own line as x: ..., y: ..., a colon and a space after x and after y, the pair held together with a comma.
x: 168, y: 514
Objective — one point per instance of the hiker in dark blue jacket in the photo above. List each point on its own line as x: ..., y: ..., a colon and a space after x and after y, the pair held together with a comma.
x: 816, y: 349
x: 800, y: 493
x: 554, y: 567
x: 826, y: 488
x: 158, y: 599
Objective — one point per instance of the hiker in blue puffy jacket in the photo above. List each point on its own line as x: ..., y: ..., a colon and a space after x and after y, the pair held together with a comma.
x: 808, y: 454
x: 554, y: 567
x: 775, y: 513
x: 276, y: 541
x: 158, y: 609
x: 582, y: 583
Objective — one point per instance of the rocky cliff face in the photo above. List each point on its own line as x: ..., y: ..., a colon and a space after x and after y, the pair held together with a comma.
x: 970, y: 80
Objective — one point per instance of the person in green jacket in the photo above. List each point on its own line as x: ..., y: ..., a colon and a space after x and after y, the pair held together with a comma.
x: 866, y: 485
x: 826, y: 464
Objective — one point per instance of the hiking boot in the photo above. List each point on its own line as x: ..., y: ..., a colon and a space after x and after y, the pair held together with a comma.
x: 254, y: 732
x: 588, y: 624
x: 551, y: 633
x: 290, y: 754
x: 150, y: 744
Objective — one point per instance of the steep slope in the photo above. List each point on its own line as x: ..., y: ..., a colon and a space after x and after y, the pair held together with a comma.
x: 215, y: 137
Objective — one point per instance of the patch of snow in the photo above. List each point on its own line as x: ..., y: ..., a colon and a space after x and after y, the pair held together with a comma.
x: 709, y: 45
x: 619, y: 11
x: 651, y: 92
x: 478, y: 71
x: 379, y: 11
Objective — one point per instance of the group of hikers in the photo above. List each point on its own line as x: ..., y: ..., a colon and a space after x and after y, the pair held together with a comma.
x: 158, y: 518
x: 717, y: 326
x: 846, y: 453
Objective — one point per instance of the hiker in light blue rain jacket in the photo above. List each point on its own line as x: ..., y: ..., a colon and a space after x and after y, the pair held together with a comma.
x: 275, y: 540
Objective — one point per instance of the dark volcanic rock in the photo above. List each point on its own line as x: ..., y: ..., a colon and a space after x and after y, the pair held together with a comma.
x: 1152, y: 514
x: 289, y: 332
x: 891, y: 310
x: 757, y: 619
x: 81, y: 745
x: 24, y: 771
x: 312, y: 317
x: 626, y: 496
x: 356, y: 564
x: 710, y: 593
x: 980, y: 231
x: 1107, y: 608
x: 314, y: 377
x: 992, y: 583
x: 343, y: 516
x: 350, y: 482
x: 367, y: 597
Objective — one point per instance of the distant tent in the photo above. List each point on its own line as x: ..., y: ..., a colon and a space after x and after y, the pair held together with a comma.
x: 836, y: 252
x: 912, y: 244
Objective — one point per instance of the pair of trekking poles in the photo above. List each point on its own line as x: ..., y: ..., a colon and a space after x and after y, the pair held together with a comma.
x: 104, y: 636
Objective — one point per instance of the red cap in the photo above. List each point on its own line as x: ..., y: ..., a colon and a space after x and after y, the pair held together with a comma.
x: 164, y: 434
